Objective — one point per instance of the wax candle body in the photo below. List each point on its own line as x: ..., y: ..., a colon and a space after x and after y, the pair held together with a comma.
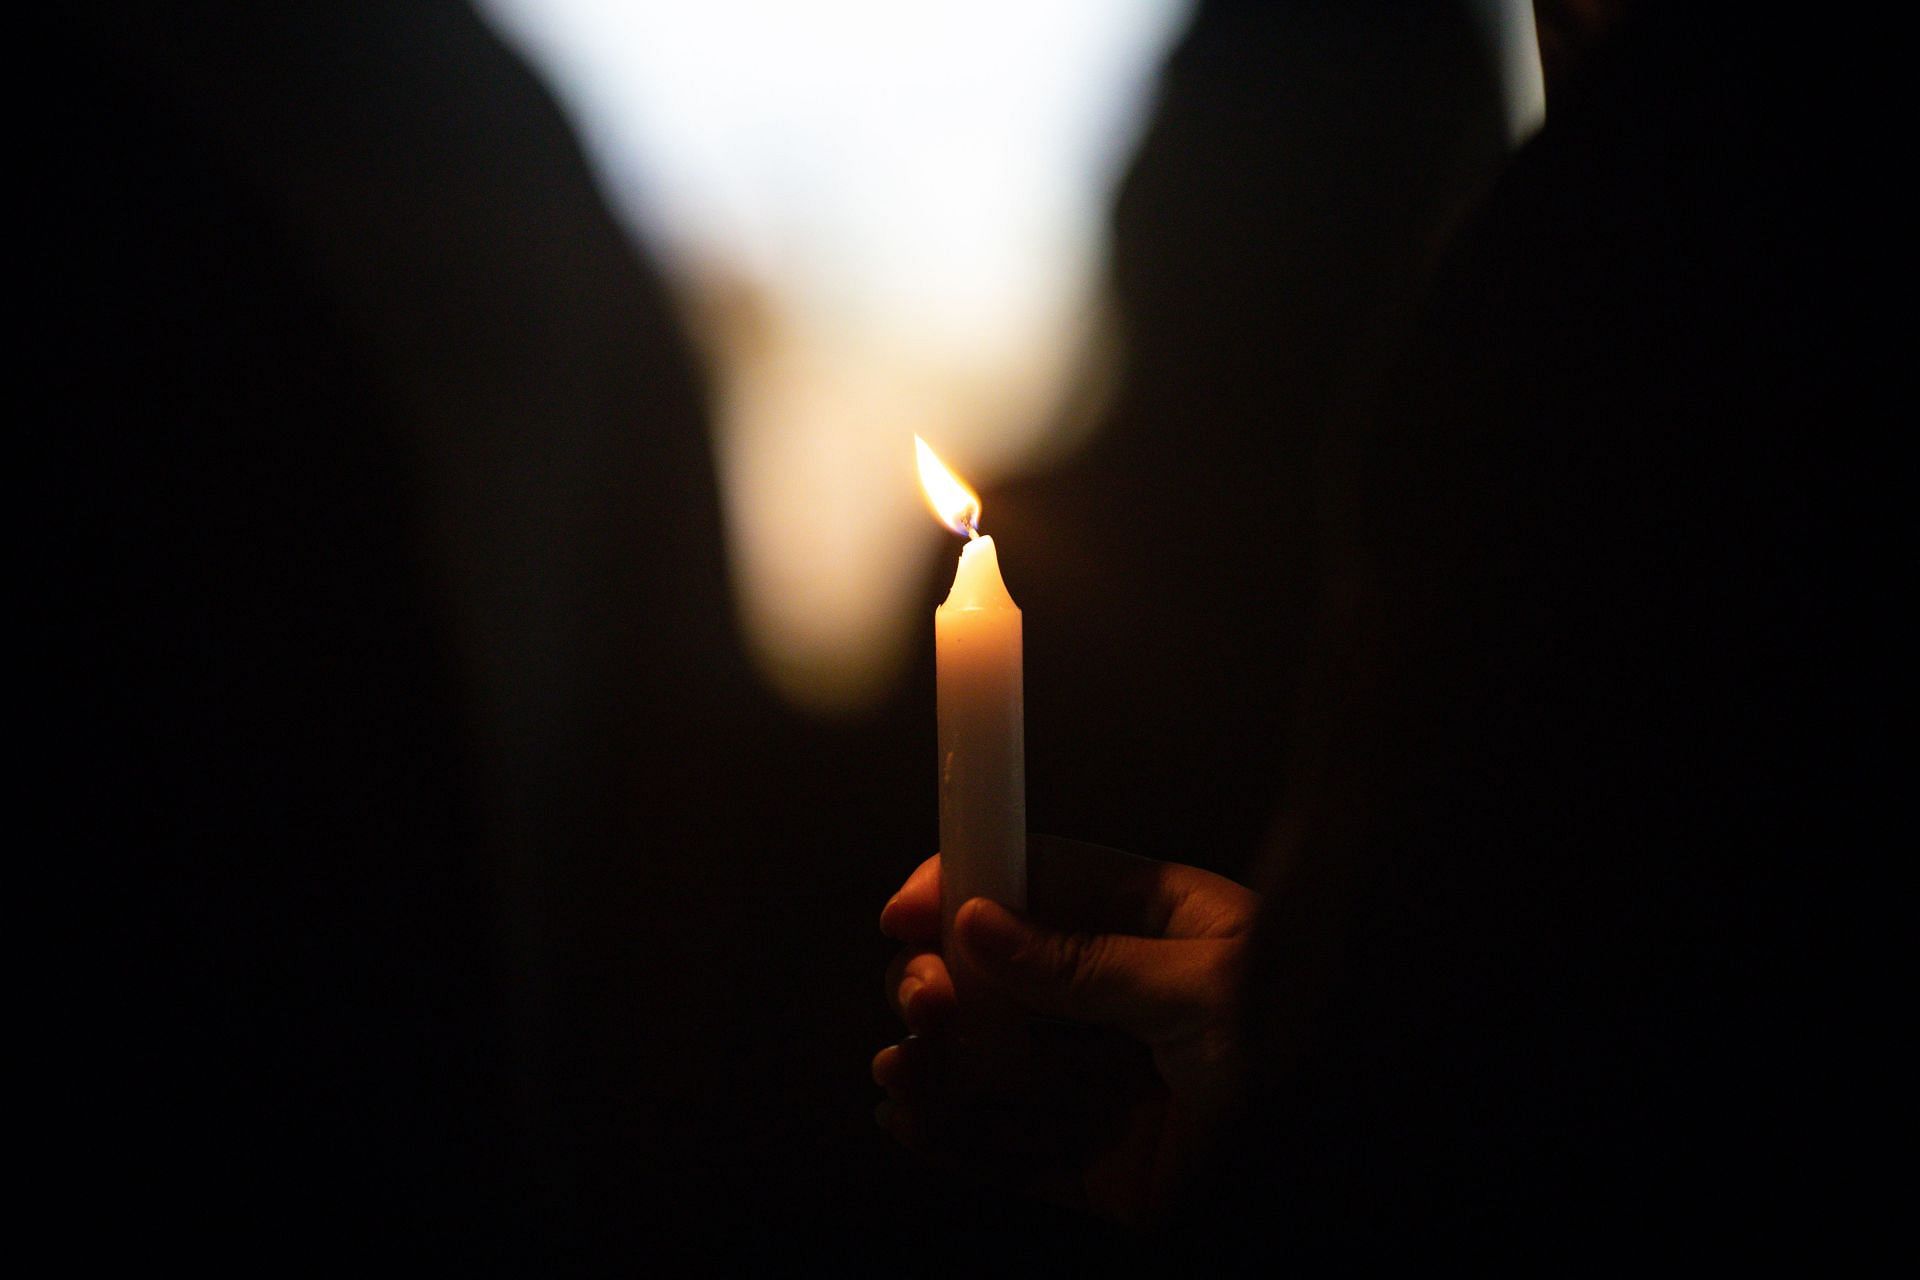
x: 982, y: 731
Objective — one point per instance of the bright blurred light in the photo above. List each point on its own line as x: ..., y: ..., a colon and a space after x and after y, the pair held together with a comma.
x: 1510, y: 34
x: 883, y: 218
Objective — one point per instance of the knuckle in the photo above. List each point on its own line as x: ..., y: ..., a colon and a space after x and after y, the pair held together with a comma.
x: 1086, y: 962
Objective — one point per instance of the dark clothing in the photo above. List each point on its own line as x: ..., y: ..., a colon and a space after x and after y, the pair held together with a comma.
x: 384, y: 556
x: 1536, y: 972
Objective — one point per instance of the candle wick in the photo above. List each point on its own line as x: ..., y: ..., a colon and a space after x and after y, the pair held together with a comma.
x: 973, y: 531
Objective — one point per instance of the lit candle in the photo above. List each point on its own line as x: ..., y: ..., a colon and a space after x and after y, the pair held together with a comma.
x: 983, y: 769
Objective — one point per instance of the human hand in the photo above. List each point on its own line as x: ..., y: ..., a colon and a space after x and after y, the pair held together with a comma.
x: 1108, y: 1115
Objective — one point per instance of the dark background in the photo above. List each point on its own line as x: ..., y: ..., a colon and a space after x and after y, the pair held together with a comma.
x: 461, y: 889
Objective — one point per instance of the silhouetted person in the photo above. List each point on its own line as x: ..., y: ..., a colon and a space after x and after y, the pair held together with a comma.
x: 1539, y: 971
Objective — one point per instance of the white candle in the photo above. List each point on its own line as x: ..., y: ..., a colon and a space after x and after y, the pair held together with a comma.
x: 983, y: 758
x: 982, y: 719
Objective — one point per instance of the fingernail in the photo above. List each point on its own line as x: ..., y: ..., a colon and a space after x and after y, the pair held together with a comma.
x: 990, y: 930
x: 909, y: 988
x: 885, y: 912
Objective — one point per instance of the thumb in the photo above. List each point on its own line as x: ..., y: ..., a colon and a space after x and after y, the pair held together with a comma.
x: 1106, y: 979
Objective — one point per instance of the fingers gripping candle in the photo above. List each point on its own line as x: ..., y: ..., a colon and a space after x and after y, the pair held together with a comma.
x: 983, y: 772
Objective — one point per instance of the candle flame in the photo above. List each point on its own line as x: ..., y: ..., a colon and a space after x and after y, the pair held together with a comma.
x: 957, y: 506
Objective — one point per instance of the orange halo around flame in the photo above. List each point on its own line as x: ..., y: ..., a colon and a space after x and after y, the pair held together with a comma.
x: 957, y: 506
